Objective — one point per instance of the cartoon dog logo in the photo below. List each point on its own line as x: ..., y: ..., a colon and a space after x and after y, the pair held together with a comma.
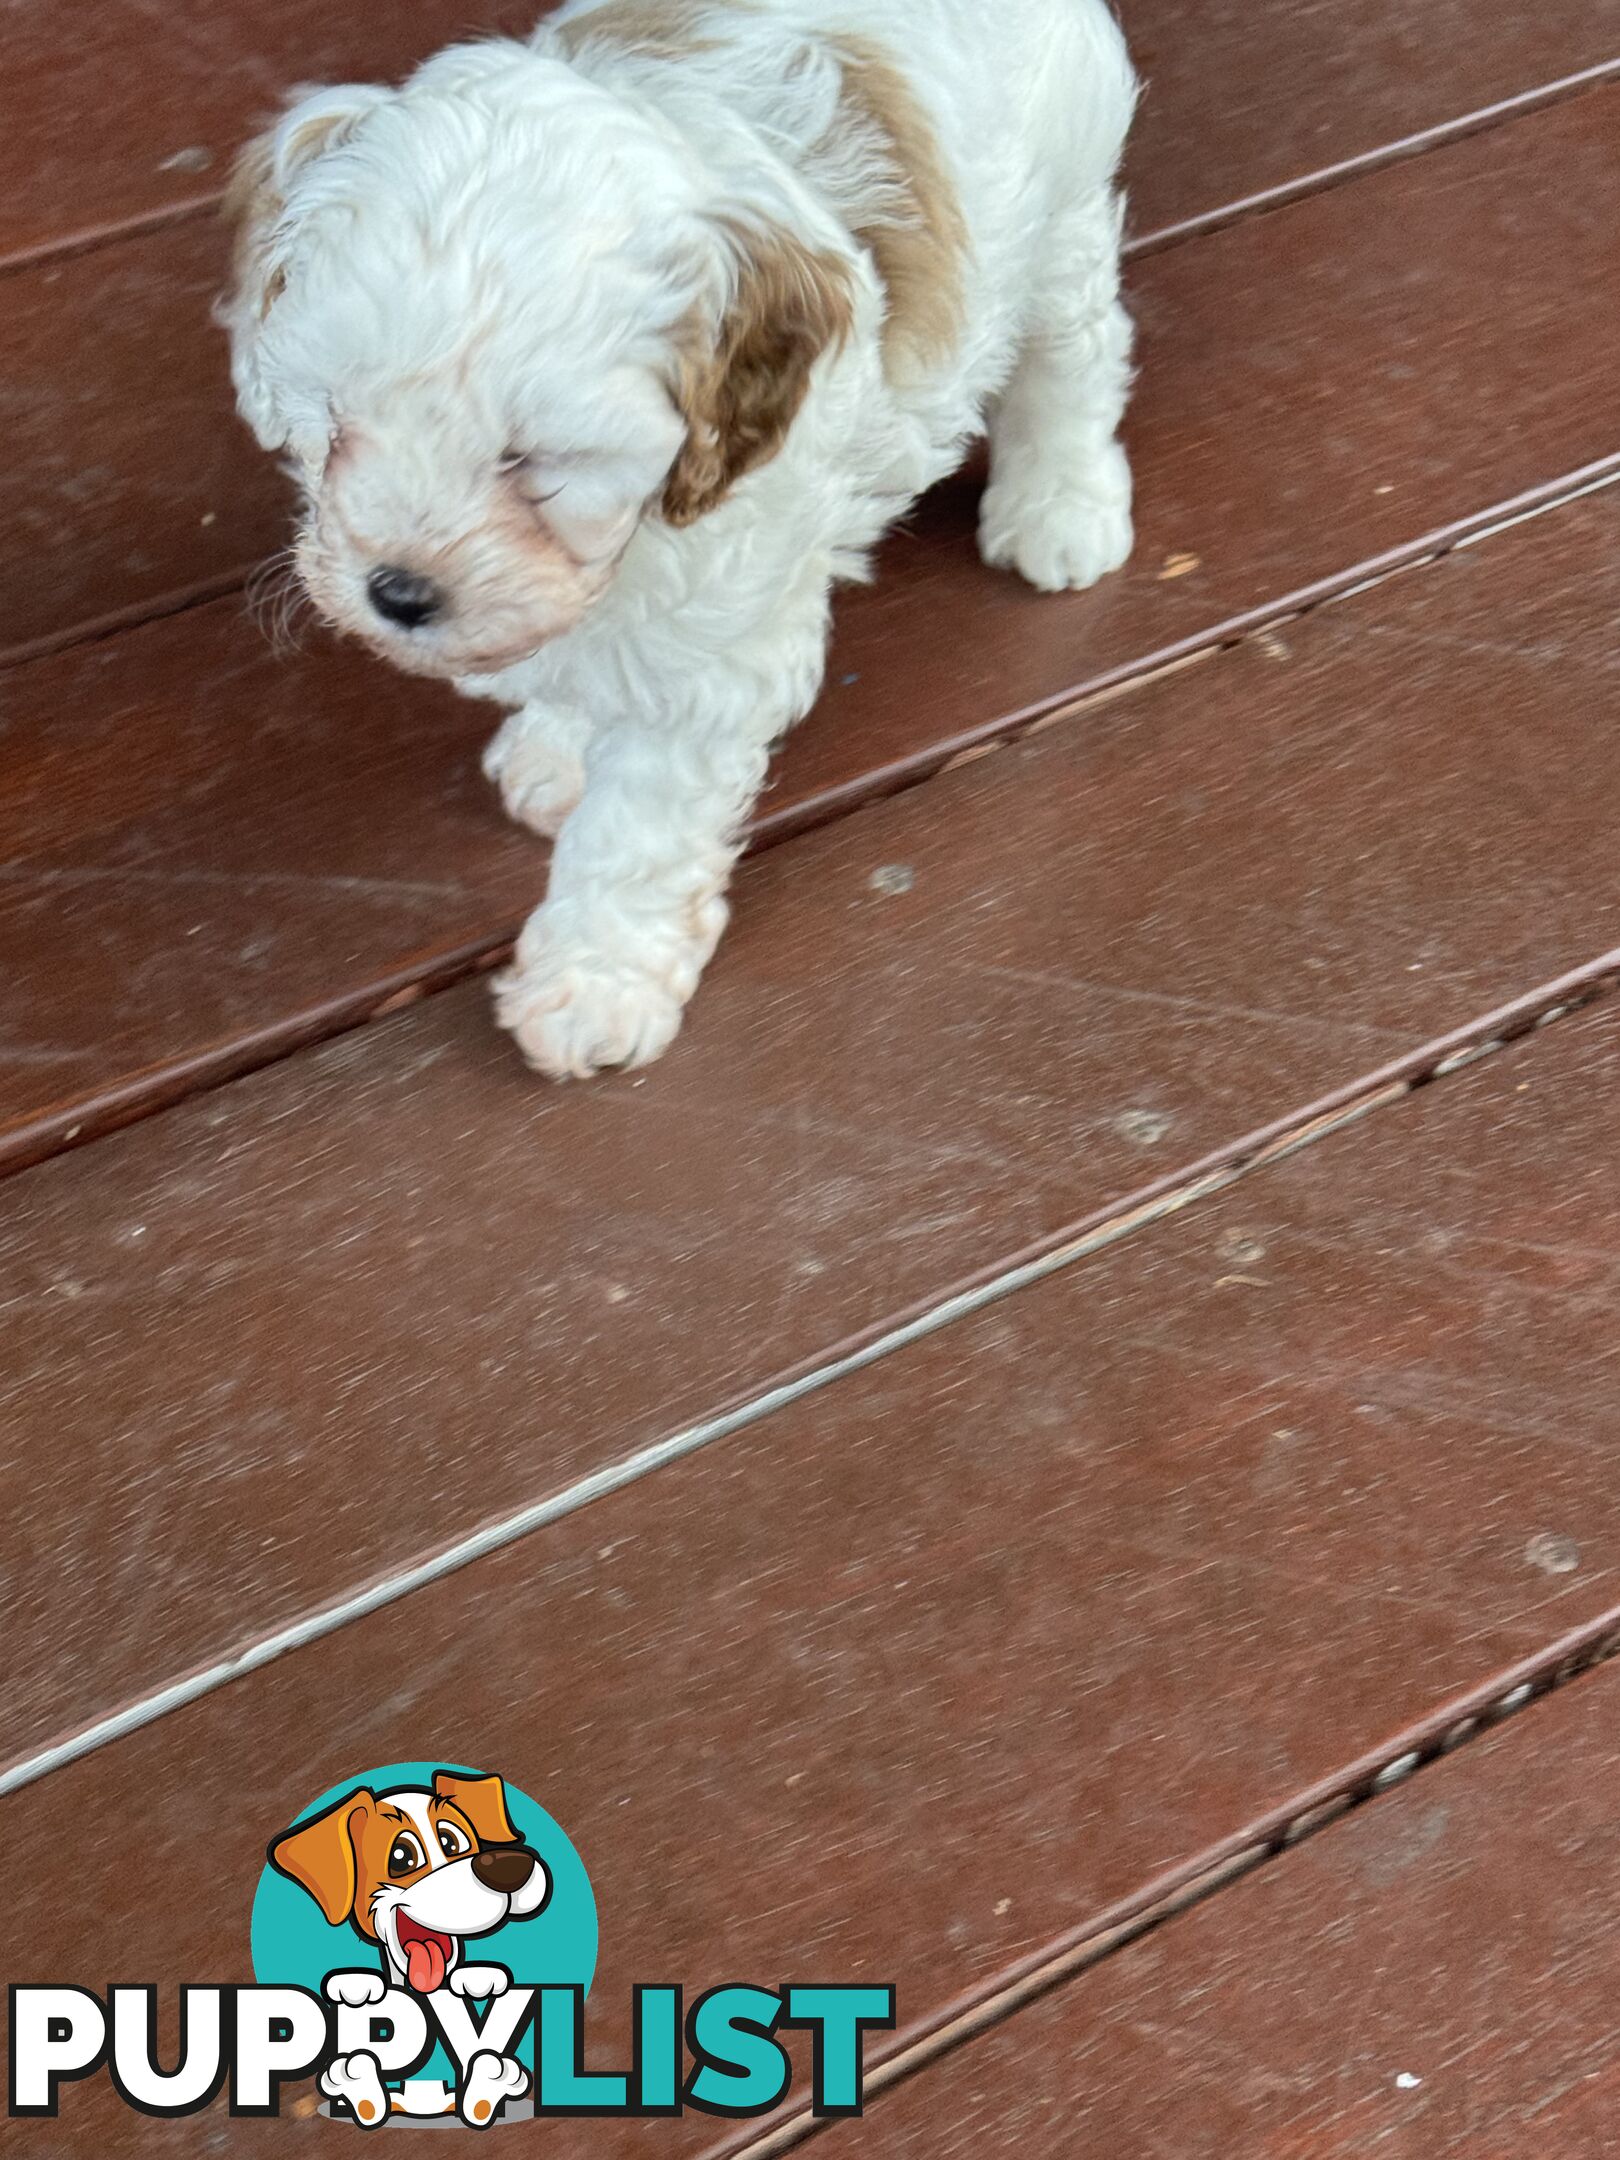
x: 418, y: 1872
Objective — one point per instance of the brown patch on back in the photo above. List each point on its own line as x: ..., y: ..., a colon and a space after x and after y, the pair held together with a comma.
x: 660, y: 29
x: 919, y: 245
x: 920, y: 255
x: 741, y: 391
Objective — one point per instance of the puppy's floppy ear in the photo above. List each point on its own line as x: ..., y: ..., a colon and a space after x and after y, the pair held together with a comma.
x: 256, y: 204
x: 319, y: 1855
x: 255, y: 200
x: 740, y: 388
x: 483, y: 1801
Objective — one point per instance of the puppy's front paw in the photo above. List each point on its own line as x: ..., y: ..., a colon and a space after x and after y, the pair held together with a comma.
x: 354, y: 1989
x: 539, y: 769
x: 476, y: 1982
x: 491, y: 2080
x: 1059, y: 535
x: 576, y: 1010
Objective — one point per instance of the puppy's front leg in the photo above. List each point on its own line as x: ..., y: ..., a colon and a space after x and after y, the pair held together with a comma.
x: 537, y: 760
x: 638, y: 878
x: 636, y: 906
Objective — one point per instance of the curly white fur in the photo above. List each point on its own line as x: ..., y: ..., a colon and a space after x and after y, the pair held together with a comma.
x: 474, y: 311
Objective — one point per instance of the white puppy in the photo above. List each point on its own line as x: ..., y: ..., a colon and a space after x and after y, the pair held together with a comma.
x: 601, y: 358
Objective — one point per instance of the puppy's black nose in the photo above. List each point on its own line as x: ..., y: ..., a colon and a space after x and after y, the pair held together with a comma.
x: 504, y: 1867
x: 402, y: 597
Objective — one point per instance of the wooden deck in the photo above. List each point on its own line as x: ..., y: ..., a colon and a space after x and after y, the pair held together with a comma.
x: 1153, y: 1115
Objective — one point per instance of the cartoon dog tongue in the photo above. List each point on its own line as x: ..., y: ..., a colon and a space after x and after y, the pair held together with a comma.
x: 425, y: 1963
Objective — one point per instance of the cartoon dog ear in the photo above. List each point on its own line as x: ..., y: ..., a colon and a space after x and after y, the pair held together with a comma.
x: 739, y: 389
x: 319, y: 1855
x: 483, y: 1801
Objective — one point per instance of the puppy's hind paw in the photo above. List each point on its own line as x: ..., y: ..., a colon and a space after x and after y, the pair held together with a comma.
x: 357, y: 2080
x: 492, y: 2080
x: 1060, y: 537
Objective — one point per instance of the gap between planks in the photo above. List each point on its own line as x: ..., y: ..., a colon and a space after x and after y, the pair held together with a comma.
x: 1480, y: 121
x: 1262, y: 622
x: 110, y: 232
x: 56, y: 1130
x: 1151, y: 1204
x: 1257, y: 1845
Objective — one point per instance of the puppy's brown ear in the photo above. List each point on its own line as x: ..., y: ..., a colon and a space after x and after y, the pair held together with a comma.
x: 320, y: 1855
x: 252, y: 205
x: 483, y: 1801
x: 315, y: 121
x: 740, y: 390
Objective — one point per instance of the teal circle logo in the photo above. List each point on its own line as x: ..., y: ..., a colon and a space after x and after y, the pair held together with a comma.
x: 295, y: 1945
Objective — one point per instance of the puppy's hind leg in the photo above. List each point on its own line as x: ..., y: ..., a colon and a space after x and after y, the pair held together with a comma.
x: 1058, y: 507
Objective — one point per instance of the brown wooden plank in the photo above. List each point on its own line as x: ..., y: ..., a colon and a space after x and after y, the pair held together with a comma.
x: 131, y: 486
x: 217, y: 853
x: 139, y: 111
x: 159, y: 100
x: 1432, y: 1977
x: 1123, y: 945
x: 941, y: 1667
x: 1246, y: 99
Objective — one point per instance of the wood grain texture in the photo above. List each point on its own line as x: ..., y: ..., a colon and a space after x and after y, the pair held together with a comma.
x: 141, y: 112
x: 914, y: 1679
x: 130, y: 483
x: 1124, y: 944
x: 1243, y: 98
x: 1429, y: 1980
x: 217, y: 853
x: 1240, y: 99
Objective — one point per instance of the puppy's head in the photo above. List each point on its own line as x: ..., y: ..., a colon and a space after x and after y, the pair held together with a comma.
x: 497, y: 320
x: 416, y: 1871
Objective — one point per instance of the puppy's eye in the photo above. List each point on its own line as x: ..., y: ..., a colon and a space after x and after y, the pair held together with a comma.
x: 453, y: 1842
x: 405, y: 1855
x: 511, y: 461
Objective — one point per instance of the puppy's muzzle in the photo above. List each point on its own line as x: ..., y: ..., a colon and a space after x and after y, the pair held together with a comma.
x: 504, y: 1868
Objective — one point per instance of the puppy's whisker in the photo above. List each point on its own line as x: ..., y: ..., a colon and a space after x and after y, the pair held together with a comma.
x: 277, y: 601
x: 269, y: 573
